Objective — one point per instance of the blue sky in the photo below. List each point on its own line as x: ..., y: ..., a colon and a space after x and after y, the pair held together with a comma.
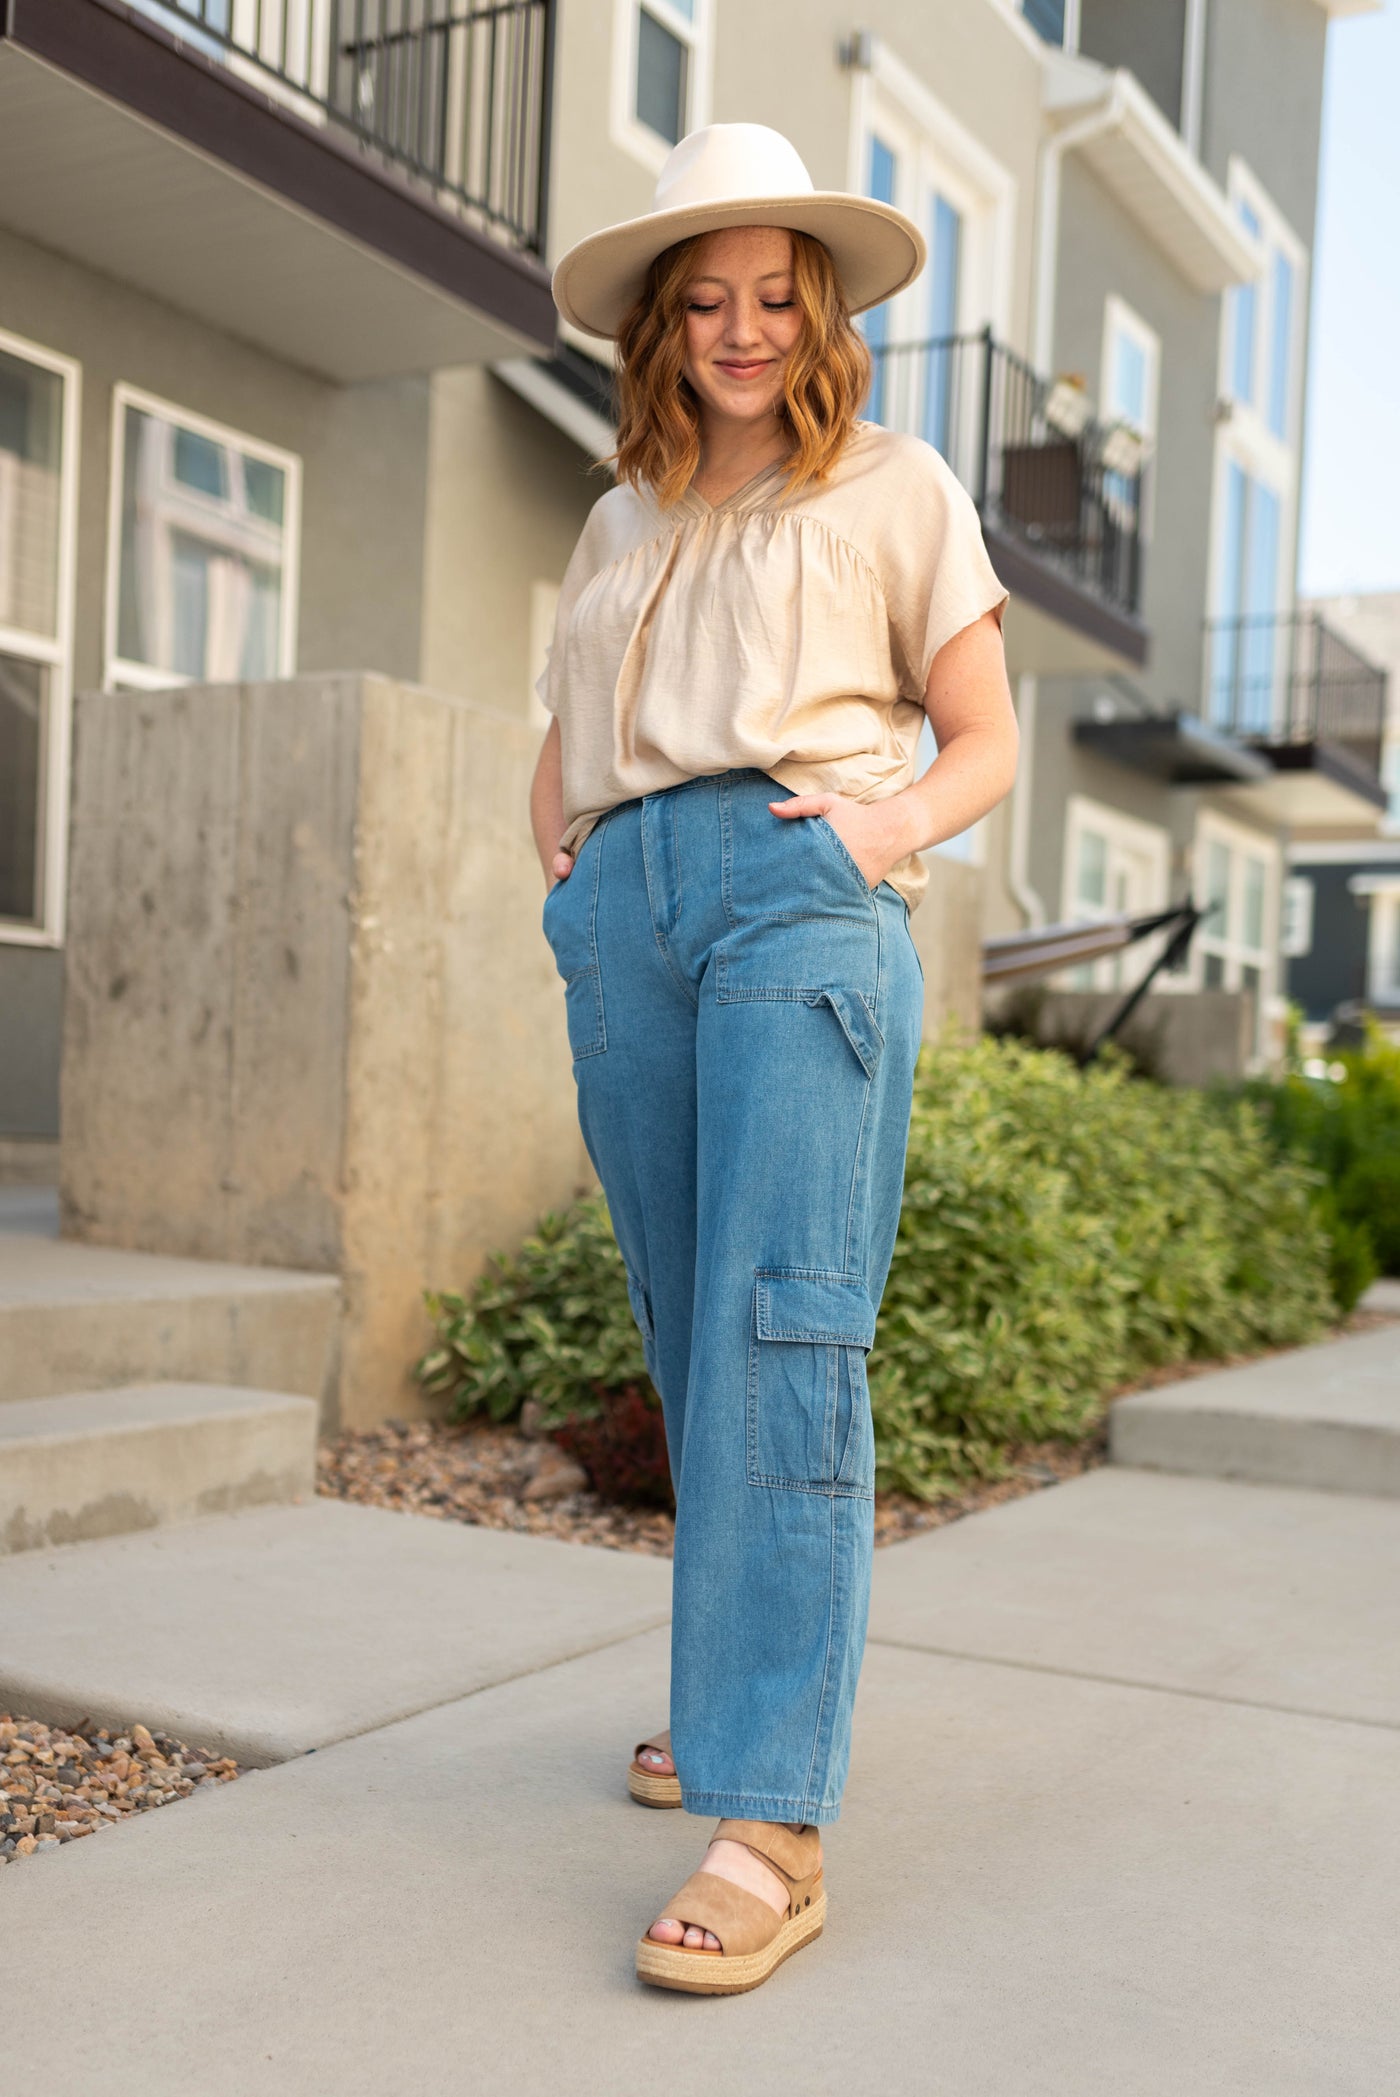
x: 1351, y: 480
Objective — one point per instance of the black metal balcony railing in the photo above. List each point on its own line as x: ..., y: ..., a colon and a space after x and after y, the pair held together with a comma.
x: 1289, y: 679
x: 455, y: 97
x: 985, y: 408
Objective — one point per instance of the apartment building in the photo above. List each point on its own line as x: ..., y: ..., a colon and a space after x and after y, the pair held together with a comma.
x: 281, y: 388
x: 1177, y: 204
x: 1342, y: 918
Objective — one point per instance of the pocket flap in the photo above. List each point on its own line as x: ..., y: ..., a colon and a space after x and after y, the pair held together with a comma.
x: 797, y: 1304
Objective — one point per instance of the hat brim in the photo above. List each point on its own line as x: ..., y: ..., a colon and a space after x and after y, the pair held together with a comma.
x: 876, y: 250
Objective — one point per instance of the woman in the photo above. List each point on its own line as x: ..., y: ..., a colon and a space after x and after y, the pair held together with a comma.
x: 750, y: 631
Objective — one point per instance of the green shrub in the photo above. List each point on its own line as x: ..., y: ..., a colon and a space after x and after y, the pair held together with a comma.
x: 1347, y: 1128
x: 1062, y: 1231
x: 550, y: 1322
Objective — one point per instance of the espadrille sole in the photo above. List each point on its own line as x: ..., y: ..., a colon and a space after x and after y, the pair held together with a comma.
x: 653, y: 1791
x: 711, y: 1973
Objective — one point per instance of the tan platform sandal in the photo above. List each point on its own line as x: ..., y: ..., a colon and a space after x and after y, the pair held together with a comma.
x: 754, y: 1940
x: 647, y: 1786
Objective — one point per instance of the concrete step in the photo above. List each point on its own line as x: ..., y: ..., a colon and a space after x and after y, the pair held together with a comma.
x: 100, y: 1463
x: 1326, y: 1416
x: 77, y: 1317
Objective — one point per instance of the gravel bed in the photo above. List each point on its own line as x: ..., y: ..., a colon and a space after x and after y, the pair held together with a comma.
x: 482, y: 1473
x: 503, y: 1478
x: 56, y: 1785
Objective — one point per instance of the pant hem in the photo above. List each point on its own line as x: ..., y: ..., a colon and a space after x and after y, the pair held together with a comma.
x: 740, y: 1805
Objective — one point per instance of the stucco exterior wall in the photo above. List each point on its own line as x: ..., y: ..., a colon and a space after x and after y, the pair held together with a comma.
x: 507, y: 496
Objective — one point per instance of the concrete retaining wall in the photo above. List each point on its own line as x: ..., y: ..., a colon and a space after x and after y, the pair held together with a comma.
x: 310, y: 1017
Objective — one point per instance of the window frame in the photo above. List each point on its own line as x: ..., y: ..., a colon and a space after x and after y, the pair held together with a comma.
x: 121, y: 670
x: 1240, y: 842
x: 635, y: 138
x: 1130, y: 834
x: 56, y: 654
x: 1122, y: 320
x: 936, y: 154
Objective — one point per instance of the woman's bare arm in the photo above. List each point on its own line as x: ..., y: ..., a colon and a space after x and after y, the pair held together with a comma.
x: 968, y: 702
x: 547, y: 809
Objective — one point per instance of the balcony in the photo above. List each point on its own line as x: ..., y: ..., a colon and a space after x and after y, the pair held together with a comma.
x: 1290, y: 687
x: 356, y: 186
x: 1059, y: 494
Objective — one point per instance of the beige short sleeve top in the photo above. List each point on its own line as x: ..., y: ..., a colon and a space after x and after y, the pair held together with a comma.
x: 789, y: 632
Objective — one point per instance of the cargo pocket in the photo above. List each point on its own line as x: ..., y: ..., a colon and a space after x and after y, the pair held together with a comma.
x: 569, y: 918
x: 809, y: 1428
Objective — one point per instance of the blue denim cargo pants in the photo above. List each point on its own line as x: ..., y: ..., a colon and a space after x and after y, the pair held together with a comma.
x: 744, y: 1013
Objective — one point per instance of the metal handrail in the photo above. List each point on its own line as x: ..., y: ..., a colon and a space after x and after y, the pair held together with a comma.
x: 1056, y: 489
x: 457, y: 98
x: 1288, y: 678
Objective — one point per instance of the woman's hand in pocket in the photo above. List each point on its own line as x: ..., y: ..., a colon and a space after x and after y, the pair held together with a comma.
x: 559, y: 869
x: 869, y: 831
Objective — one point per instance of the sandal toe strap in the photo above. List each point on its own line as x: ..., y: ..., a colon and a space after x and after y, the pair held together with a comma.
x: 742, y: 1922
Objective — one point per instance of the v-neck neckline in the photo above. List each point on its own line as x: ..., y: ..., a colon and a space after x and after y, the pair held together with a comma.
x: 702, y: 507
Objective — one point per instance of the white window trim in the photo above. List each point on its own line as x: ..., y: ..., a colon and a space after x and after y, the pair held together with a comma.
x: 1382, y: 936
x: 983, y: 190
x: 56, y: 653
x: 1149, y: 841
x: 1243, y: 437
x: 141, y: 676
x: 1245, y: 422
x: 1119, y: 318
x: 1238, y: 839
x: 636, y: 139
x: 1297, y: 912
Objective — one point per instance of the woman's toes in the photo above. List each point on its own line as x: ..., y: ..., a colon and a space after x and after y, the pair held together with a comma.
x: 694, y: 1938
x: 711, y: 1941
x: 666, y: 1931
x: 658, y: 1763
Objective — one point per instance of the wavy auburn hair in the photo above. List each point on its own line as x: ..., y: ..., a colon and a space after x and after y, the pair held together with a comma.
x: 825, y: 380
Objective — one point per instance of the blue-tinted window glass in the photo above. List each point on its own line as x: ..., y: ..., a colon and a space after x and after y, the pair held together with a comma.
x: 661, y: 79
x: 880, y: 180
x: 1129, y: 396
x: 1225, y: 640
x: 1047, y: 18
x: 945, y: 244
x: 1244, y: 305
x: 1260, y: 639
x: 1279, y: 359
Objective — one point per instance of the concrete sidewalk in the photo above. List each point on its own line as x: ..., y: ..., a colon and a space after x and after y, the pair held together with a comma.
x: 1124, y: 1817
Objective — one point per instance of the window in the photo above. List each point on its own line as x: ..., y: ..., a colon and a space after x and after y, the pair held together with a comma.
x: 1246, y: 656
x: 910, y: 151
x: 1131, y: 361
x: 1054, y: 21
x: 1115, y: 866
x: 1237, y: 872
x: 202, y: 583
x: 1256, y: 474
x: 1379, y: 895
x: 661, y: 75
x: 1262, y: 334
x: 1296, y: 917
x: 38, y: 491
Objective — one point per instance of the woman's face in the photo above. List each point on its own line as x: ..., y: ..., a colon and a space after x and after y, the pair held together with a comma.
x: 742, y: 321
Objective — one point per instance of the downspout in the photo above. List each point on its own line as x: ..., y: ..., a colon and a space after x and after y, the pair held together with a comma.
x: 1106, y: 117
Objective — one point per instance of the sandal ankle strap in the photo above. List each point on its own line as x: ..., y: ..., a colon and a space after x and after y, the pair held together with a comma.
x: 793, y: 1857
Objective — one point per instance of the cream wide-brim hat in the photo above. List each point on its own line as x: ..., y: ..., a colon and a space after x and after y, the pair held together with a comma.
x: 737, y: 175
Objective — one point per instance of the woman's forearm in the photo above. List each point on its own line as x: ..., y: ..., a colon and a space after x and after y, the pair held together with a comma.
x: 547, y: 803
x: 970, y: 775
